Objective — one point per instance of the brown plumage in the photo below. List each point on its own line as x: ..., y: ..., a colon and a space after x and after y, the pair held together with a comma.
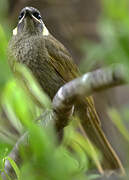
x: 52, y: 65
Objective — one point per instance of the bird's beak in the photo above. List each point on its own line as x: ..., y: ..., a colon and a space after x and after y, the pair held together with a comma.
x: 27, y: 15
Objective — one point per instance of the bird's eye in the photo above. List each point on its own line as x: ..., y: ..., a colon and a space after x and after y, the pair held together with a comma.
x: 21, y: 15
x: 37, y: 15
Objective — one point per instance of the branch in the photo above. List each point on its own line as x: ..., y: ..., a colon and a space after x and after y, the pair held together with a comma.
x: 88, y: 84
x: 65, y: 98
x: 15, y: 155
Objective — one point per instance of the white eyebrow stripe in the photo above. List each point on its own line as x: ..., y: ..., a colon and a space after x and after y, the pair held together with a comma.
x: 35, y: 18
x: 21, y: 19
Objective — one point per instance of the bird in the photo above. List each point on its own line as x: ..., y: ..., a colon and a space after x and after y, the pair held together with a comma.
x: 52, y: 65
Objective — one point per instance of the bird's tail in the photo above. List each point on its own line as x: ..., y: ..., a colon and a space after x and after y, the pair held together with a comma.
x: 92, y: 127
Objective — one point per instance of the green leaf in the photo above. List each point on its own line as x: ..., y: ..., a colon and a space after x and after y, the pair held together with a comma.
x: 34, y: 90
x: 15, y: 167
x: 116, y: 118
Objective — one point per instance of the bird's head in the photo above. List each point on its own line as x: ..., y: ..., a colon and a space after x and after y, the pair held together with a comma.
x: 30, y: 21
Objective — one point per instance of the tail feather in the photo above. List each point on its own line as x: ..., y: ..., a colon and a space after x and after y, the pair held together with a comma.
x: 92, y: 127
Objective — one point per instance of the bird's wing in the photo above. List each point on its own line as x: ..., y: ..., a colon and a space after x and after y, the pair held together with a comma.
x: 62, y: 61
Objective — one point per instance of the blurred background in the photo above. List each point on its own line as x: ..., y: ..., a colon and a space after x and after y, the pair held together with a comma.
x: 96, y: 34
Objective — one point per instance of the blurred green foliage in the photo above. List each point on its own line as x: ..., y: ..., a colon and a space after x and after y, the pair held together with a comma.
x: 113, y: 47
x: 113, y: 30
x: 44, y: 159
x: 5, y: 71
x: 3, y: 10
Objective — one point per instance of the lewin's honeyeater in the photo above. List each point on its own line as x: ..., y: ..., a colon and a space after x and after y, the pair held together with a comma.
x: 53, y: 66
